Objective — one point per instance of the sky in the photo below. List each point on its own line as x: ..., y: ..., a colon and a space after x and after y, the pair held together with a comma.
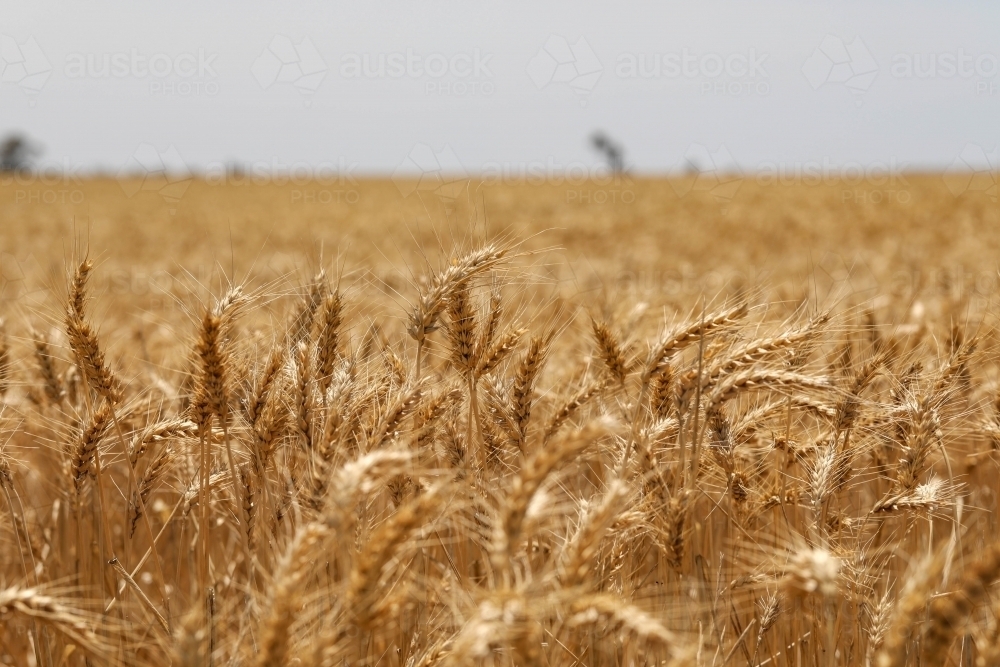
x: 509, y: 89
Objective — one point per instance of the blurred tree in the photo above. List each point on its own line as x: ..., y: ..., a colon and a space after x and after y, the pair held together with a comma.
x: 15, y: 153
x: 613, y: 152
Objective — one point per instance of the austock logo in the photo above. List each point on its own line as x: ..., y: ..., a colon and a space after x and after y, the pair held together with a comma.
x: 19, y: 274
x: 140, y: 65
x: 836, y: 62
x: 683, y: 280
x: 444, y: 74
x: 559, y: 62
x: 47, y: 182
x: 169, y: 74
x: 276, y: 171
x: 327, y: 182
x: 974, y: 170
x: 23, y: 64
x: 731, y: 74
x: 584, y: 183
x: 425, y: 170
x: 979, y: 69
x: 284, y: 61
x: 876, y: 182
x: 152, y: 170
x: 415, y: 65
x: 709, y: 172
x: 945, y: 65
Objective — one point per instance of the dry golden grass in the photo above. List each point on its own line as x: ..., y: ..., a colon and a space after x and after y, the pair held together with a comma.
x: 520, y: 427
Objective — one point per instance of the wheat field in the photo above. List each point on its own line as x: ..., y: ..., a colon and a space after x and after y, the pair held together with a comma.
x: 624, y: 423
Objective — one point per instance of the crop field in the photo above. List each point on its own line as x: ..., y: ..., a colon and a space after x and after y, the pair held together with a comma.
x: 638, y: 422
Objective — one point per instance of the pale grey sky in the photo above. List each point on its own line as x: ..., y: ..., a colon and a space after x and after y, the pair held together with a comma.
x: 372, y: 87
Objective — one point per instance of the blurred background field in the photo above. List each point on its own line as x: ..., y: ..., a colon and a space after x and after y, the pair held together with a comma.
x: 663, y: 239
x: 913, y: 252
